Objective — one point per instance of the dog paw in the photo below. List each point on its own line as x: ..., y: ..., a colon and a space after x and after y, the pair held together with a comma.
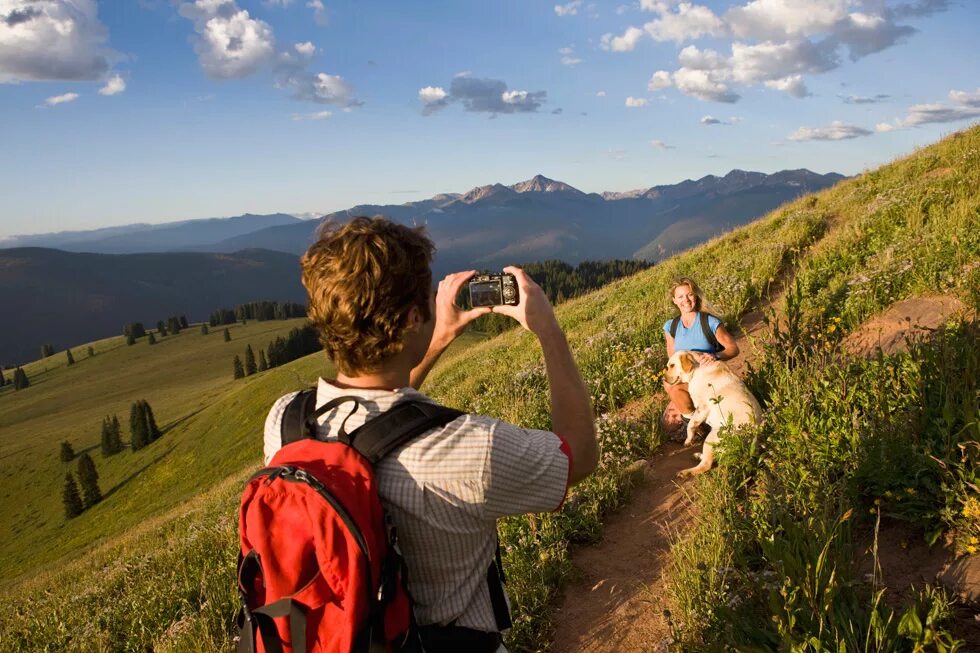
x: 688, y: 441
x: 697, y: 456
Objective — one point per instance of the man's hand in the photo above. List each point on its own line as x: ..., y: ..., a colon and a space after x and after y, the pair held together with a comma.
x: 451, y: 320
x: 533, y: 310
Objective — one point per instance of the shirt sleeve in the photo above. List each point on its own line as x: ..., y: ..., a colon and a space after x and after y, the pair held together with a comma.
x: 667, y: 326
x: 713, y: 323
x: 527, y: 471
x: 271, y: 436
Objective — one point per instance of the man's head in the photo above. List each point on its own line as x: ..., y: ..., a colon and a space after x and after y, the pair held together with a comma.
x: 368, y: 282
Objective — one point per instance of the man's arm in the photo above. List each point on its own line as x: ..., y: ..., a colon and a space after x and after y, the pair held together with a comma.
x: 451, y: 321
x: 571, y: 406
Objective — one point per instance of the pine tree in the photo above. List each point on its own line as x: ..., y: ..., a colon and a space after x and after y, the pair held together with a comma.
x: 71, y: 359
x: 151, y: 339
x: 239, y: 371
x: 88, y: 478
x: 67, y: 452
x: 250, y: 367
x: 20, y: 379
x: 116, y: 434
x: 3, y: 381
x: 91, y: 351
x: 130, y: 339
x: 106, y: 437
x: 152, y: 430
x: 71, y: 498
x: 204, y: 329
x: 227, y: 336
x: 263, y: 364
x: 138, y: 437
x: 183, y: 322
x: 46, y: 350
x: 161, y: 328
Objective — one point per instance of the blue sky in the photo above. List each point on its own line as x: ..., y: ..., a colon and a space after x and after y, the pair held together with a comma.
x: 157, y: 110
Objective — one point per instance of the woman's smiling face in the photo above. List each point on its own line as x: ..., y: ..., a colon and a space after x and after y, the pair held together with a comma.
x: 685, y: 299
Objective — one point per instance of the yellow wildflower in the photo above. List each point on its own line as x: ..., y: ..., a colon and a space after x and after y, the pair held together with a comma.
x: 971, y: 549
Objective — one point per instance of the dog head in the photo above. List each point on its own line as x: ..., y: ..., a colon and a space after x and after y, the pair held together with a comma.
x: 680, y: 368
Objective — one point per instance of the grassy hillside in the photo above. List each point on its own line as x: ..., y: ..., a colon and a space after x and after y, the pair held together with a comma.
x: 206, y: 416
x: 168, y: 584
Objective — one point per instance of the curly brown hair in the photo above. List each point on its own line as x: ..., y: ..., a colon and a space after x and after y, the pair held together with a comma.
x: 363, y: 278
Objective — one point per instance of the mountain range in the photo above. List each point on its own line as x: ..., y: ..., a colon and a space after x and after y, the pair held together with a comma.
x: 71, y: 287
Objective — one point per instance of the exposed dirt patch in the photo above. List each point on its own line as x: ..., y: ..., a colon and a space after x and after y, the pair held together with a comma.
x: 911, y: 317
x: 616, y: 602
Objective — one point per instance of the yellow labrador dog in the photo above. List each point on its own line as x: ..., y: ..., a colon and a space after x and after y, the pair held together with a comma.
x: 720, y: 398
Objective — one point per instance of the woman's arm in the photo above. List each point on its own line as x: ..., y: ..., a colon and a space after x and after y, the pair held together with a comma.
x: 726, y: 340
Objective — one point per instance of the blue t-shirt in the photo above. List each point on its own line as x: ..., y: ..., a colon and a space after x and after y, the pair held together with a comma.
x: 692, y: 338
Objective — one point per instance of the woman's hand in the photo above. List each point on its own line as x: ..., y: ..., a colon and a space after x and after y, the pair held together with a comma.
x: 703, y: 358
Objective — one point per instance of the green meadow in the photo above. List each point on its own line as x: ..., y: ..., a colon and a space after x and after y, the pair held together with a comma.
x: 159, y: 572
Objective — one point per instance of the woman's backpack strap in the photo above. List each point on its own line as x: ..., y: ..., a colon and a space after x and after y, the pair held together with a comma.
x: 673, y: 326
x: 708, y: 333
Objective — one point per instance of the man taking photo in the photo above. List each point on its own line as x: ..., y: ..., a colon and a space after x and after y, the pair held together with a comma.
x: 370, y: 296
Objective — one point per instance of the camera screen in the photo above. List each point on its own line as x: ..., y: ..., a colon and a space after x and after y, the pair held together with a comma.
x: 485, y: 293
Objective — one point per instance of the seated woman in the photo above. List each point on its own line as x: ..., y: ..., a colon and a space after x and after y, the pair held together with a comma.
x: 693, y: 330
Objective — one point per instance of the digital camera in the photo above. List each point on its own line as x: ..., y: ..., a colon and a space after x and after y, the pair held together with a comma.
x: 493, y: 290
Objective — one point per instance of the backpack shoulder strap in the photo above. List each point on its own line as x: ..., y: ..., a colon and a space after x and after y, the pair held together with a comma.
x: 708, y: 333
x: 405, y: 421
x: 293, y: 424
x: 673, y: 326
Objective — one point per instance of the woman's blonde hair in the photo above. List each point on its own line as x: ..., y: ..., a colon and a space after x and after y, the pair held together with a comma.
x: 700, y: 303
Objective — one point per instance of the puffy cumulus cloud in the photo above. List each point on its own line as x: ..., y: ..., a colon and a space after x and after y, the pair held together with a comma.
x: 793, y: 84
x: 688, y: 22
x: 703, y: 85
x: 636, y: 102
x: 568, y: 57
x: 965, y: 105
x: 113, y: 86
x: 710, y: 120
x: 306, y: 49
x: 625, y: 43
x: 52, y: 40
x: 773, y: 43
x: 481, y: 96
x: 773, y: 20
x: 60, y: 99
x: 660, y: 145
x: 230, y: 43
x: 569, y: 9
x: 319, y: 12
x: 838, y: 131
x: 659, y: 80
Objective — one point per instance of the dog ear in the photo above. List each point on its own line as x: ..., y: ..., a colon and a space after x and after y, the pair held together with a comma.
x: 687, y: 362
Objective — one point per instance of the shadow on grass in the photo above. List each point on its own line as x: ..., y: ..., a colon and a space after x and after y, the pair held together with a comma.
x: 177, y: 422
x: 138, y: 472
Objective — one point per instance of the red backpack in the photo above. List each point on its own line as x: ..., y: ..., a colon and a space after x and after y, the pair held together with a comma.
x: 319, y: 570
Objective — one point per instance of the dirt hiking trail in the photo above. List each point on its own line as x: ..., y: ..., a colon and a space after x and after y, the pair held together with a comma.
x: 615, y: 604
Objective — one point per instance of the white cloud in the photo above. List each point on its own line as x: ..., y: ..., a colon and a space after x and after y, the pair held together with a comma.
x: 305, y: 49
x: 785, y: 19
x: 332, y: 89
x: 659, y: 80
x: 858, y: 99
x: 570, y: 9
x: 661, y: 145
x: 966, y: 106
x: 316, y: 115
x: 601, y: 94
x: 838, y: 131
x: 793, y: 84
x: 709, y: 120
x: 692, y: 57
x: 61, y: 99
x: 688, y: 22
x: 230, y: 43
x: 773, y: 61
x: 625, y: 43
x: 52, y: 40
x: 568, y: 57
x: 703, y: 85
x: 514, y: 97
x: 319, y: 12
x: 636, y: 102
x: 431, y: 94
x: 113, y: 86
x: 480, y: 95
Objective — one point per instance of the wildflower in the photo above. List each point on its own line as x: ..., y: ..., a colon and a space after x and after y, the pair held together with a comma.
x: 888, y: 494
x: 877, y: 502
x: 910, y: 491
x: 971, y: 549
x: 973, y: 540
